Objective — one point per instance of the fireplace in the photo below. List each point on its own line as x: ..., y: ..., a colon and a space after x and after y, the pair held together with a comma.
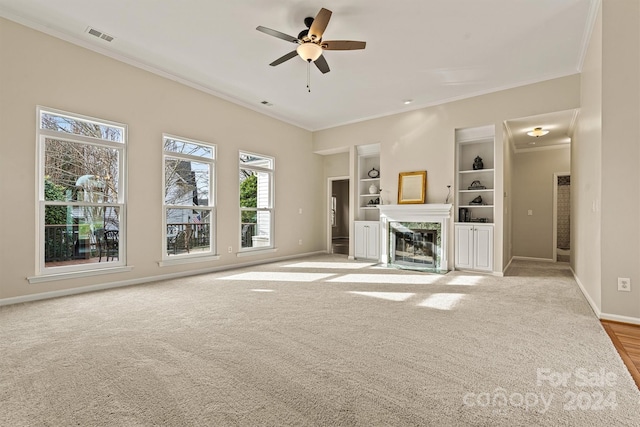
x: 415, y: 236
x: 414, y: 244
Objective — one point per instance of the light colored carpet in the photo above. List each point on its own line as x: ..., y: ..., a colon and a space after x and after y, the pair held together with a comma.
x: 317, y: 341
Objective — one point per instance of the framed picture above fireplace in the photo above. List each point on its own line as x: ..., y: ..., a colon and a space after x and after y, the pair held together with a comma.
x: 412, y: 187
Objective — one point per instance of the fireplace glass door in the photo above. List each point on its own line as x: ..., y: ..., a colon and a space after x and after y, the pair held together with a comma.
x: 415, y: 245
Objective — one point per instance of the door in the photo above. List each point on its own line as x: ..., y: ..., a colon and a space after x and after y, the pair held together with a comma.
x: 373, y: 240
x: 360, y: 237
x: 483, y: 247
x: 367, y: 239
x: 338, y: 215
x: 464, y: 246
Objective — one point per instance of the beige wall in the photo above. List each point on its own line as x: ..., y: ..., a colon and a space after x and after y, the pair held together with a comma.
x: 586, y: 173
x: 37, y: 69
x: 336, y: 165
x: 423, y: 139
x: 605, y: 207
x: 620, y: 154
x: 532, y: 189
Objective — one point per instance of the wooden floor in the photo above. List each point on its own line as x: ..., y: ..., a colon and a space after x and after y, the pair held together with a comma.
x: 626, y: 339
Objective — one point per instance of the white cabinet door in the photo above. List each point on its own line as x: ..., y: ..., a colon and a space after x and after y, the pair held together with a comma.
x: 464, y: 246
x: 474, y: 247
x: 483, y: 247
x: 360, y: 243
x: 373, y: 240
x: 367, y: 239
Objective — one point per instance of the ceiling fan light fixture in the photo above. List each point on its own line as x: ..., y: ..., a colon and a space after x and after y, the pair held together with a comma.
x: 309, y: 51
x: 537, y: 132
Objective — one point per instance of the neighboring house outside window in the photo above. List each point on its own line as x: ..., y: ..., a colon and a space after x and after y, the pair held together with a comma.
x: 81, y: 193
x: 256, y: 201
x: 189, y: 208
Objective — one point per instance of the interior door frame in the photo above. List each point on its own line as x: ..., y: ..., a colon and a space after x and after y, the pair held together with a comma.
x: 556, y: 175
x: 330, y: 181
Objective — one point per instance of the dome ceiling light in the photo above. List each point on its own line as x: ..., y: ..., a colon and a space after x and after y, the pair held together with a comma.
x: 538, y: 132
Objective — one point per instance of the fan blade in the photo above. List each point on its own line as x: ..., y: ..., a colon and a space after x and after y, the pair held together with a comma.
x: 284, y: 58
x: 343, y: 45
x: 320, y: 23
x: 277, y: 34
x: 322, y: 65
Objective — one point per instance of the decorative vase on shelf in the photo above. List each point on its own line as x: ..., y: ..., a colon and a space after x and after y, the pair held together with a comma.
x: 373, y: 189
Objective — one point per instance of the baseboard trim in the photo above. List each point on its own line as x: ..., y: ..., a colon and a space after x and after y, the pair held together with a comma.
x: 620, y: 319
x: 590, y: 301
x: 528, y: 258
x: 504, y: 270
x: 139, y: 281
x: 599, y: 314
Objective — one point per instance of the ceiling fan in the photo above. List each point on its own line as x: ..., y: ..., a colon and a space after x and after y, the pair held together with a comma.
x: 310, y: 43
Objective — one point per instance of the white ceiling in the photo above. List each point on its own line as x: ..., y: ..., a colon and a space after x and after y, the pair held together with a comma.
x: 429, y: 51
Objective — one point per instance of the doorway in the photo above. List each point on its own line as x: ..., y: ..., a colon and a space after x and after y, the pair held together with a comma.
x: 562, y: 217
x: 338, y: 216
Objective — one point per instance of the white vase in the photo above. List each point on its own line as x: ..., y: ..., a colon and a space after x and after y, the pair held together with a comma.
x: 373, y: 189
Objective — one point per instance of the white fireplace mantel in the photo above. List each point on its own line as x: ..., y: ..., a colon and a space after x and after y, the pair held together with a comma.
x: 430, y: 212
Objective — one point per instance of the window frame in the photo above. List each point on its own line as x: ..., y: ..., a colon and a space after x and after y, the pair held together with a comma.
x: 211, y: 206
x: 47, y: 273
x: 271, y: 209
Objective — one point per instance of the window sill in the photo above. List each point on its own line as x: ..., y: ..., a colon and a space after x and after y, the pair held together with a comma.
x: 187, y: 260
x: 77, y: 274
x: 255, y: 252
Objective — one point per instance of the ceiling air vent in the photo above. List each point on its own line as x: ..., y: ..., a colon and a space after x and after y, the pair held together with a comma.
x: 99, y: 34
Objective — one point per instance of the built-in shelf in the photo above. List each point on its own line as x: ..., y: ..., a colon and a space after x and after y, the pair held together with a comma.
x: 368, y: 159
x: 473, y: 230
x: 477, y: 171
x: 469, y: 146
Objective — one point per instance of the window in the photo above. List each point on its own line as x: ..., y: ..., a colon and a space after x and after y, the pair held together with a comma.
x: 256, y: 201
x: 189, y: 212
x: 81, y: 192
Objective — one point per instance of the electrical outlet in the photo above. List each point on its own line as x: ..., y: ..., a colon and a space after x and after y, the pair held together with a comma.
x: 230, y: 249
x: 300, y: 241
x: 624, y: 284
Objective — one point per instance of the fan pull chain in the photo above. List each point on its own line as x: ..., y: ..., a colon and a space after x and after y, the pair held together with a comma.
x: 309, y: 75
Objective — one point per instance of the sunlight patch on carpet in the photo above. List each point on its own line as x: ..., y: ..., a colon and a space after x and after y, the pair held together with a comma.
x: 387, y: 278
x: 442, y: 301
x: 465, y: 280
x: 341, y: 265
x: 390, y: 296
x: 269, y: 276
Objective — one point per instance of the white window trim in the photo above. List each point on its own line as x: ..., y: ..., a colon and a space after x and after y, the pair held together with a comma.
x: 43, y: 273
x: 189, y: 258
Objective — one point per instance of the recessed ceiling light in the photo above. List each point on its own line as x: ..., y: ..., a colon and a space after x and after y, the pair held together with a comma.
x: 407, y: 101
x: 537, y: 132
